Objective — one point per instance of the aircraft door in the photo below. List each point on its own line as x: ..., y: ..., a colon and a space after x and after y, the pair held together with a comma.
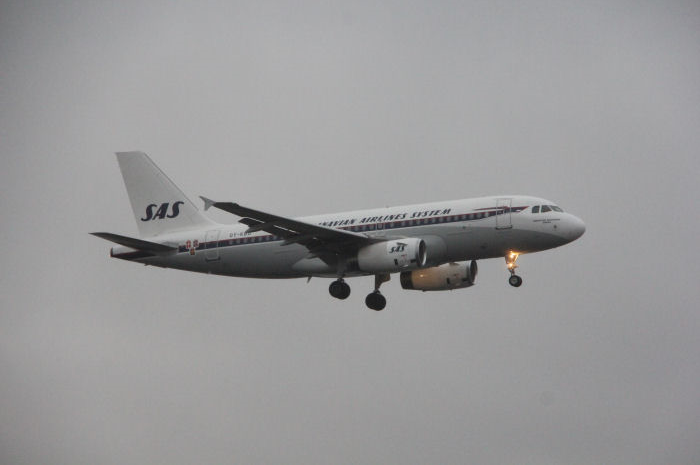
x: 503, y: 220
x: 211, y: 243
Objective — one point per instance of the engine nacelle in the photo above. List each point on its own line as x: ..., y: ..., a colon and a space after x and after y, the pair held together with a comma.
x: 391, y: 256
x: 441, y: 278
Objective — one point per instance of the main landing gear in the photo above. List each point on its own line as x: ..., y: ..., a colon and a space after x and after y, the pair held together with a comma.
x: 375, y: 300
x: 514, y: 280
x: 339, y: 289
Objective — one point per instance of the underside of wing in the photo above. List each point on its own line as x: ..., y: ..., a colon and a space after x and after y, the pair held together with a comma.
x: 318, y: 239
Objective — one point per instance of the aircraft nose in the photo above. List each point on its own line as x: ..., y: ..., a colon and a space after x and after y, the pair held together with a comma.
x: 576, y: 227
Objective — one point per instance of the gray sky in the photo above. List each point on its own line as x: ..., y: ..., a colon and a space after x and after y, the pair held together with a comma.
x: 313, y: 107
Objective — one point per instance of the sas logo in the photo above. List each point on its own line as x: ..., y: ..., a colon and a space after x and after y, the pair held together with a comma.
x: 162, y: 211
x: 399, y: 247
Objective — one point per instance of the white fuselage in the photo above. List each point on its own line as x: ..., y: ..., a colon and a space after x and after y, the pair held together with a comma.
x: 453, y: 231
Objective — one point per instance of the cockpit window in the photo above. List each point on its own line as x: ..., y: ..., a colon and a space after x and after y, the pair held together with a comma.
x: 545, y: 208
x: 536, y: 209
x: 557, y: 209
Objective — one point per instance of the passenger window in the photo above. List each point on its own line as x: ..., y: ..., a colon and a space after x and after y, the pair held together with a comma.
x: 545, y: 208
x: 536, y: 209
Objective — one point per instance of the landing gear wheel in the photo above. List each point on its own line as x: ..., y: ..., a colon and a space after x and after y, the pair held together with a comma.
x: 375, y: 301
x: 515, y: 280
x: 339, y: 289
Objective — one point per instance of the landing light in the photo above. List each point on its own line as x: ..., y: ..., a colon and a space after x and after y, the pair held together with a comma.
x: 511, y: 259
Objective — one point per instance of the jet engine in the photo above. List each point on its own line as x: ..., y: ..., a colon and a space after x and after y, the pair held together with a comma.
x: 441, y: 278
x: 391, y: 256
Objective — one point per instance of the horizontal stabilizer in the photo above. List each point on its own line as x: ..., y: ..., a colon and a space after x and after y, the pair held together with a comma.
x: 138, y: 244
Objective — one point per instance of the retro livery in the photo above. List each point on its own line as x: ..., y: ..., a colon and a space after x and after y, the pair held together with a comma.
x: 434, y: 246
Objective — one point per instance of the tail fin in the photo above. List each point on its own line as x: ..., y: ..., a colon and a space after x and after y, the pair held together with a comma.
x: 158, y: 205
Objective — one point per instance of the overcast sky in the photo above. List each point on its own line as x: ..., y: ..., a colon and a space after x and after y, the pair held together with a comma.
x: 311, y: 107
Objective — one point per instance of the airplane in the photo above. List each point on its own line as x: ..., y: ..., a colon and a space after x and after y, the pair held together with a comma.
x: 433, y: 246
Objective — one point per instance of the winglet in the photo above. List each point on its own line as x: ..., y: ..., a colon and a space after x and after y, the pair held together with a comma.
x: 208, y: 203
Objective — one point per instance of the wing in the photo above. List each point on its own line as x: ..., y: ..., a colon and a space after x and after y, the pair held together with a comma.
x: 318, y: 239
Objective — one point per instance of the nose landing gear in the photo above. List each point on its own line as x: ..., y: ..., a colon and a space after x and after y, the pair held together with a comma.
x: 514, y: 280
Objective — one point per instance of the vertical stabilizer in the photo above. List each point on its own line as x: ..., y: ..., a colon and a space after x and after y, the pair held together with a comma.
x: 159, y: 205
